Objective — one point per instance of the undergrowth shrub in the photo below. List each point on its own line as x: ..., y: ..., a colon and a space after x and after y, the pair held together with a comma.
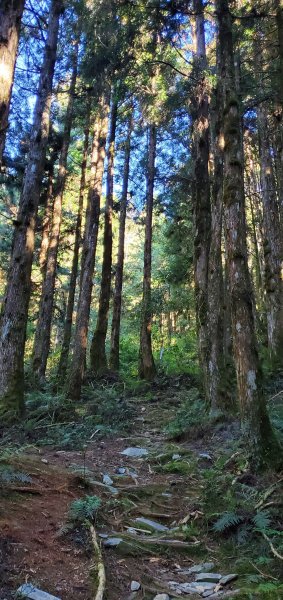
x: 191, y: 415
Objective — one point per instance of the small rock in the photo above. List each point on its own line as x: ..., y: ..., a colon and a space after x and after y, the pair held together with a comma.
x: 205, y: 455
x: 227, y: 578
x: 27, y: 590
x: 212, y: 577
x: 120, y: 470
x: 112, y: 542
x: 199, y: 587
x: 161, y: 597
x: 135, y: 452
x: 207, y: 593
x: 135, y: 586
x: 107, y: 480
x: 176, y: 456
x: 45, y: 461
x: 152, y: 524
x: 104, y: 536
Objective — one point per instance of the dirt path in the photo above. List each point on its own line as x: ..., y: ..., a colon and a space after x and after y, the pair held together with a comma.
x: 163, y: 486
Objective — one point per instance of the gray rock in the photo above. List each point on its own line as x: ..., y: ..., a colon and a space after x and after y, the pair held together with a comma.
x: 176, y: 456
x: 104, y: 536
x: 201, y: 568
x: 205, y: 455
x: 27, y: 590
x: 227, y: 578
x: 161, y: 597
x: 120, y: 470
x: 135, y: 586
x: 112, y: 542
x: 213, y: 577
x: 199, y: 587
x: 208, y: 593
x: 107, y: 479
x: 135, y: 452
x: 151, y: 524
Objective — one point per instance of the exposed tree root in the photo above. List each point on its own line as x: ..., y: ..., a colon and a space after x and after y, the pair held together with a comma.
x: 99, y: 566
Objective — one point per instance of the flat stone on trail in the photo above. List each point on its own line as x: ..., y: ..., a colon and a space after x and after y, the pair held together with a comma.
x: 135, y: 586
x: 27, y: 590
x: 208, y: 593
x: 227, y: 578
x: 202, y: 568
x: 112, y: 541
x: 199, y: 587
x: 161, y: 597
x: 107, y: 480
x: 135, y: 452
x: 212, y: 577
x: 152, y: 524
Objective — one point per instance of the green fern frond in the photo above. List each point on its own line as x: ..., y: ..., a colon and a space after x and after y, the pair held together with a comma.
x: 262, y: 520
x: 227, y: 521
x: 84, y: 509
x: 8, y: 475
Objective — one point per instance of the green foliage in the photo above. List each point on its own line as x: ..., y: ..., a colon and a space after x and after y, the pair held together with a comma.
x: 261, y: 520
x: 9, y: 475
x: 227, y: 521
x: 84, y: 509
x: 191, y: 414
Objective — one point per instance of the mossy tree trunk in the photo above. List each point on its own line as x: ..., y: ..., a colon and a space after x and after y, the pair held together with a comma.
x: 201, y: 196
x: 43, y: 329
x: 63, y: 362
x: 15, y: 306
x: 260, y: 440
x: 77, y: 368
x: 147, y: 369
x: 10, y: 21
x: 117, y: 300
x: 98, y: 360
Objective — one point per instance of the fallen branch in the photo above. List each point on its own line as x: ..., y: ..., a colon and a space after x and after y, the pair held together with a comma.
x: 99, y: 566
x: 273, y: 550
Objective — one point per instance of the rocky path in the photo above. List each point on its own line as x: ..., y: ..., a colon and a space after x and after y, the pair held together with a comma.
x: 147, y: 524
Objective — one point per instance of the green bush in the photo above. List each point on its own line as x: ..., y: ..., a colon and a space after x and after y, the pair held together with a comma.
x: 190, y: 415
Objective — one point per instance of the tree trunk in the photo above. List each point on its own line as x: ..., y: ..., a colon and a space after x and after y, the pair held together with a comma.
x: 117, y: 301
x: 202, y: 209
x: 47, y: 217
x: 15, y: 306
x: 261, y: 443
x: 88, y: 255
x: 98, y: 360
x: 10, y: 21
x: 43, y: 330
x: 147, y: 368
x: 63, y: 363
x: 216, y: 396
x: 272, y: 244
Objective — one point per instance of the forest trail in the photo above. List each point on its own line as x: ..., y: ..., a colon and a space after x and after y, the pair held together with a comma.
x: 165, y: 487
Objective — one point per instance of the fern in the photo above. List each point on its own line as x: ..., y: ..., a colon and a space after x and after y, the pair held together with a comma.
x: 84, y: 509
x: 227, y: 521
x: 9, y: 475
x: 262, y: 520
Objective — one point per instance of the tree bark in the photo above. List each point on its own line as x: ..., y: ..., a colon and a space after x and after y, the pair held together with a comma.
x: 202, y: 208
x: 10, y: 21
x: 272, y: 244
x: 98, y: 360
x: 117, y: 301
x: 63, y: 363
x: 88, y: 254
x: 260, y: 440
x: 147, y: 369
x: 15, y: 306
x: 43, y: 329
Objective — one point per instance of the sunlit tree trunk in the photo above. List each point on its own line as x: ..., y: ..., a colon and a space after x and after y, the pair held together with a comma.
x: 117, y: 301
x: 63, y: 363
x: 10, y: 21
x: 43, y: 329
x: 202, y: 209
x: 98, y: 360
x: 272, y: 243
x: 15, y: 306
x: 47, y: 218
x: 261, y: 443
x: 147, y: 368
x: 88, y: 254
